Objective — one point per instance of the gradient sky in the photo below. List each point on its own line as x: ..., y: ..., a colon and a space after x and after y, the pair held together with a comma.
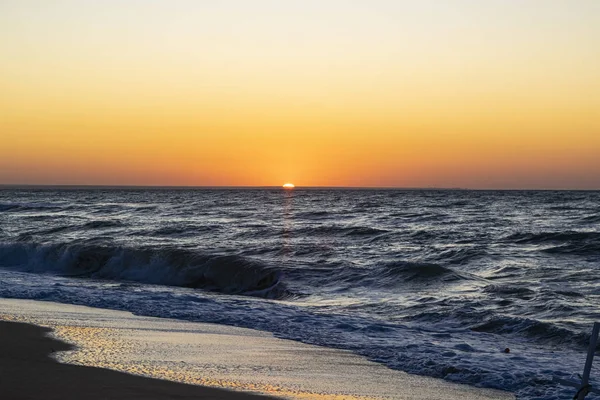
x: 455, y: 93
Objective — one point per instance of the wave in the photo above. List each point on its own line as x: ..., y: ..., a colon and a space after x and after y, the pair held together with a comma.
x: 420, y: 272
x: 103, y: 224
x: 390, y: 275
x: 575, y: 249
x: 460, y: 255
x: 543, y: 332
x: 424, y: 234
x: 12, y: 207
x: 145, y: 208
x: 418, y: 217
x: 50, y: 231
x: 8, y: 207
x: 179, y: 230
x: 96, y: 224
x: 314, y: 214
x: 590, y: 219
x: 552, y: 237
x: 569, y: 242
x: 229, y: 274
x: 450, y: 204
x: 510, y: 291
x: 342, y: 230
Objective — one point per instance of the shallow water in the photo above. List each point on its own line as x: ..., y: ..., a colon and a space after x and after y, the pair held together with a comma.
x: 226, y: 357
x: 430, y: 282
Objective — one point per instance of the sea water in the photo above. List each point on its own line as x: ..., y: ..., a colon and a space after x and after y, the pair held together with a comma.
x: 431, y: 282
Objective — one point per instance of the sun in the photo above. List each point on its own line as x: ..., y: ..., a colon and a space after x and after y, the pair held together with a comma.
x: 288, y: 186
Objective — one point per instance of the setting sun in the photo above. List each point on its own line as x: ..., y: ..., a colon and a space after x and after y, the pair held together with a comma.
x: 208, y: 94
x: 447, y: 151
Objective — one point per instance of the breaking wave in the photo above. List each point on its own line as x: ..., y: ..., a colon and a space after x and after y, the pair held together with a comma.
x: 230, y: 274
x: 430, y: 282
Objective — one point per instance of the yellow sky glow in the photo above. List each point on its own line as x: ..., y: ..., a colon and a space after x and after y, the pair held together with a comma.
x: 456, y: 93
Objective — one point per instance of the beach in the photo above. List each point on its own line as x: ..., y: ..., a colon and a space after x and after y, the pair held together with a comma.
x: 27, y: 372
x: 115, y: 355
x: 316, y: 200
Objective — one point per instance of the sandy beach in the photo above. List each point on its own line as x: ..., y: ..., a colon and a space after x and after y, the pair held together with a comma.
x: 27, y: 372
x: 178, y: 360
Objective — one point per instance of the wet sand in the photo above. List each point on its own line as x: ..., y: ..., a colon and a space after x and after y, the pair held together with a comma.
x: 27, y: 372
x: 118, y: 355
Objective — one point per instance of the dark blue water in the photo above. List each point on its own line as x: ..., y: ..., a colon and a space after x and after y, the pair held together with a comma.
x: 430, y: 282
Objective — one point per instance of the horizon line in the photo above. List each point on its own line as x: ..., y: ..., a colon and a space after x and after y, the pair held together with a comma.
x: 183, y: 187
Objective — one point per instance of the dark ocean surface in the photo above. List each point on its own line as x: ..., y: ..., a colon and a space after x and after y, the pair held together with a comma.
x: 430, y: 282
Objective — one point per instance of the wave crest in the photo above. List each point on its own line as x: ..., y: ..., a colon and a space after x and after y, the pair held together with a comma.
x: 569, y: 242
x: 543, y: 332
x: 552, y: 237
x: 13, y: 207
x: 420, y: 272
x: 342, y: 230
x: 229, y: 274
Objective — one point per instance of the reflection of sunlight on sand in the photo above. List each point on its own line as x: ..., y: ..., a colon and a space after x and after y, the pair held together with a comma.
x: 225, y: 357
x: 99, y: 347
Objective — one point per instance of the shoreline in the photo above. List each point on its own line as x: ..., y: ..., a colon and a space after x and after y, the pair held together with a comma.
x: 195, y: 359
x: 27, y: 371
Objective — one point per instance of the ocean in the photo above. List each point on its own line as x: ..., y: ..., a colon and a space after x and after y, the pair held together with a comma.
x: 431, y: 282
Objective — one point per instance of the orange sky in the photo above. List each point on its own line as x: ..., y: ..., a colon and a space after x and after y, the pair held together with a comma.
x: 462, y: 93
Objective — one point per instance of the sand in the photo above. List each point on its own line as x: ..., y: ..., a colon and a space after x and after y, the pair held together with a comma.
x: 201, y: 354
x: 27, y: 372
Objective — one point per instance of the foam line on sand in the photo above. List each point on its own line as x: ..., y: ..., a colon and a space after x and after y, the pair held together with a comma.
x: 101, y: 352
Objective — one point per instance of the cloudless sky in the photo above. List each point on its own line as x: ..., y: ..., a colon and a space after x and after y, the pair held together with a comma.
x: 455, y: 93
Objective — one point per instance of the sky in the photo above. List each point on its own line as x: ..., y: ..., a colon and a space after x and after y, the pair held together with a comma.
x: 384, y: 93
